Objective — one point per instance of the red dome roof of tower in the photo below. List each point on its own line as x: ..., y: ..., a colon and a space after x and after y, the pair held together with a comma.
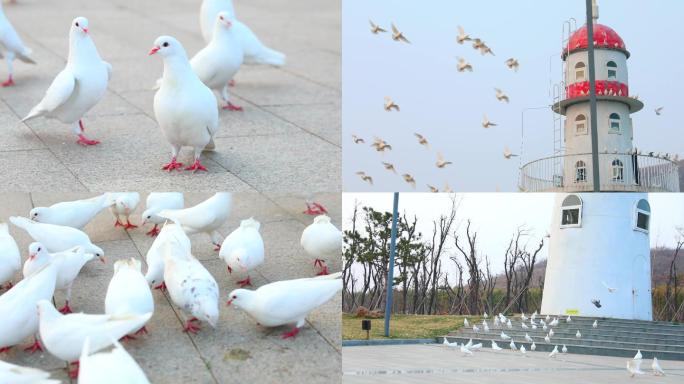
x: 604, y: 37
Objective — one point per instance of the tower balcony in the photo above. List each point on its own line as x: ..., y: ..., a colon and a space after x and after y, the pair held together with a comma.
x: 618, y: 172
x: 605, y: 90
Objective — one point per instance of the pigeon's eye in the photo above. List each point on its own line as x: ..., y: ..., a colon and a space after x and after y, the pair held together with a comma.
x: 39, y: 249
x: 149, y: 217
x: 221, y: 17
x: 166, y: 44
x: 234, y: 296
x: 77, y: 24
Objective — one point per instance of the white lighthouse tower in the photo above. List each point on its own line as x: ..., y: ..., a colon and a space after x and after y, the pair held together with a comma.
x: 599, y: 250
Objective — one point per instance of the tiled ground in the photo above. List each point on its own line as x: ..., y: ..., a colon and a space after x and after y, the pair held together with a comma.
x: 287, y: 139
x: 238, y: 351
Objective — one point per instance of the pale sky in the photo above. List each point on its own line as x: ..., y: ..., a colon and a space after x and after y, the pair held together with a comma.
x: 447, y: 106
x: 496, y: 216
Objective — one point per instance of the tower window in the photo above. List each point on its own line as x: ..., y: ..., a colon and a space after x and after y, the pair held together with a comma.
x: 571, y: 211
x: 579, y: 71
x: 614, y: 123
x: 643, y: 216
x: 612, y: 70
x: 580, y: 172
x: 618, y: 170
x: 581, y: 125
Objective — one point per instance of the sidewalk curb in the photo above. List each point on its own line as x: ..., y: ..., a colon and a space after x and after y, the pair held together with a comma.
x: 362, y: 343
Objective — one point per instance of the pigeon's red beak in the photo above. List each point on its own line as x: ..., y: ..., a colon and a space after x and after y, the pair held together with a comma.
x: 229, y: 302
x: 32, y: 256
x: 153, y: 50
x: 85, y: 30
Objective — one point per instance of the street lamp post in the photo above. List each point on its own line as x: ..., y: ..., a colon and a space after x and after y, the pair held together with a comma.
x: 390, y: 269
x: 592, y: 95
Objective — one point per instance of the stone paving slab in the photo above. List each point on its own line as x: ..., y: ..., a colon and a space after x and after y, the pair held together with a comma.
x: 434, y: 363
x: 290, y: 126
x: 237, y: 350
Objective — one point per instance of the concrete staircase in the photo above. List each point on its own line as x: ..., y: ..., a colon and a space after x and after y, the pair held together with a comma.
x: 612, y: 337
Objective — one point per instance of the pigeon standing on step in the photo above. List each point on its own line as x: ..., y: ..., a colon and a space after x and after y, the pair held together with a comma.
x: 495, y: 346
x: 191, y: 287
x: 218, y: 62
x: 655, y: 367
x: 554, y: 352
x: 12, y: 47
x: 322, y: 240
x: 10, y: 258
x: 564, y: 349
x: 595, y: 324
x: 286, y: 302
x: 64, y: 335
x: 184, y: 107
x: 115, y: 366
x: 80, y: 85
x: 57, y: 238
x: 205, y: 217
x: 75, y: 214
x: 128, y: 291
x: 243, y: 250
x: 157, y: 202
x: 155, y: 255
x: 123, y: 204
x: 18, y: 307
x: 72, y: 260
x: 255, y: 51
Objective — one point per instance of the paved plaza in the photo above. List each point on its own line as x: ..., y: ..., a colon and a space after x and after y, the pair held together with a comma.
x: 237, y: 351
x: 287, y: 139
x: 433, y: 363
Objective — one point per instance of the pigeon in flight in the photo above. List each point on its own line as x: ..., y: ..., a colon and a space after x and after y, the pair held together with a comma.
x: 501, y: 96
x: 398, y: 36
x: 462, y: 36
x: 358, y: 140
x: 610, y: 289
x: 390, y: 105
x: 659, y: 110
x: 389, y: 167
x: 463, y: 65
x: 422, y: 140
x: 364, y: 177
x: 486, y: 123
x: 596, y: 302
x: 432, y: 188
x: 513, y: 64
x: 441, y: 162
x: 409, y: 179
x: 375, y: 29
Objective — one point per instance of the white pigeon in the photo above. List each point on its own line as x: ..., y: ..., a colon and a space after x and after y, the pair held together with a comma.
x: 64, y: 335
x: 578, y: 334
x: 564, y: 349
x: 554, y: 322
x: 554, y: 352
x: 128, y: 291
x: 18, y: 307
x: 157, y: 202
x: 533, y: 347
x: 484, y: 315
x: 465, y: 322
x: 545, y: 327
x: 57, y: 238
x: 485, y: 327
x: 634, y: 368
x: 504, y: 336
x: 218, y: 62
x: 288, y: 301
x: 476, y: 328
x: 10, y: 258
x: 551, y: 332
x: 655, y: 367
x: 155, y: 255
x: 15, y: 374
x: 322, y: 240
x: 495, y: 346
x: 568, y: 320
x: 533, y: 326
x: 12, y: 47
x: 609, y: 288
x: 243, y: 250
x: 638, y: 355
x: 115, y: 366
x: 184, y: 107
x: 509, y: 324
x: 469, y: 343
x: 547, y: 339
x: 255, y: 51
x: 123, y: 204
x: 548, y: 318
x: 465, y: 351
x: 72, y: 261
x: 534, y: 316
x: 80, y: 85
x: 523, y: 317
x: 496, y: 321
x: 191, y: 287
x: 475, y: 347
x: 524, y: 326
x: 523, y: 350
x: 74, y: 214
x: 512, y: 345
x: 205, y: 217
x: 528, y: 338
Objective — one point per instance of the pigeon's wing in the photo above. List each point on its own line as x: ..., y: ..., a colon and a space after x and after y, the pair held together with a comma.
x: 294, y: 299
x: 192, y: 218
x: 60, y: 91
x: 394, y: 28
x: 460, y: 30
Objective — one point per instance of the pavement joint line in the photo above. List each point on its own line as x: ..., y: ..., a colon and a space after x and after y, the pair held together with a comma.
x: 296, y: 74
x: 430, y: 371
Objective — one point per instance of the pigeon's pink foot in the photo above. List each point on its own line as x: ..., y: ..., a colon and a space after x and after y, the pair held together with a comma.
x: 324, y: 268
x: 217, y: 248
x: 161, y: 287
x: 315, y: 209
x: 232, y: 107
x: 35, y: 347
x: 245, y: 282
x: 129, y: 225
x: 191, y: 327
x: 127, y: 338
x: 118, y: 223
x: 65, y: 309
x: 5, y: 349
x: 73, y: 373
x: 231, y: 83
x: 196, y: 166
x: 86, y: 141
x: 323, y: 271
x: 291, y: 334
x: 142, y: 331
x: 153, y: 232
x: 9, y: 82
x: 172, y: 165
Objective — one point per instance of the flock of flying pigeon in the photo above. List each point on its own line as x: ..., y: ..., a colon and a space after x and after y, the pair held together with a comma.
x: 184, y: 105
x: 390, y: 105
x: 61, y: 249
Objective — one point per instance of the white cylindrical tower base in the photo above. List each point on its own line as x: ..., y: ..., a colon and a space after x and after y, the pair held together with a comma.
x: 606, y: 248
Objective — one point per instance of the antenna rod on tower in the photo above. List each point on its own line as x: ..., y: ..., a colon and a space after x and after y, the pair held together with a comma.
x: 594, y: 9
x: 592, y: 96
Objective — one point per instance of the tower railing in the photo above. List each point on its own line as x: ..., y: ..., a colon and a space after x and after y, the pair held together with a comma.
x: 619, y: 172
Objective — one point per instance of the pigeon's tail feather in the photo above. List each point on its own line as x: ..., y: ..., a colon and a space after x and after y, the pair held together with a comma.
x: 36, y: 111
x: 267, y: 56
x: 20, y: 222
x: 157, y: 84
x: 26, y: 56
x: 210, y: 146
